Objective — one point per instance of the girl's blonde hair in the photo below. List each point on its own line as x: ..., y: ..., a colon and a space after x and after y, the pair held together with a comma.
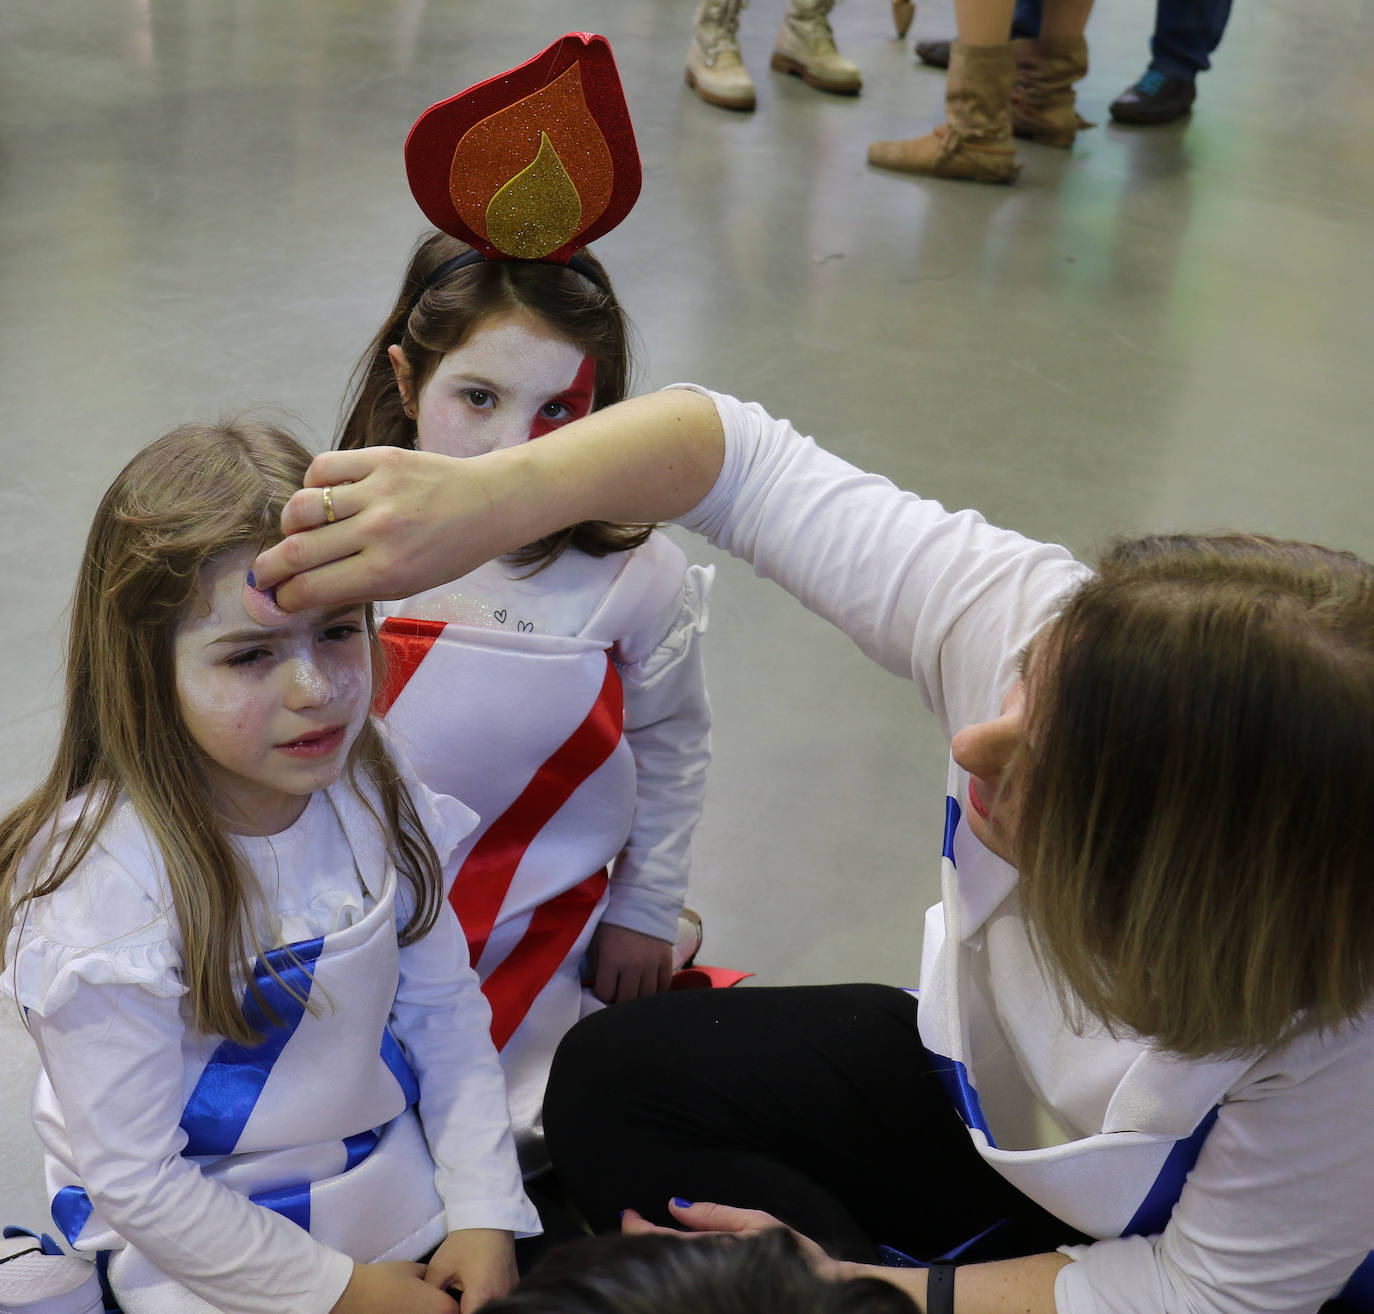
x: 1197, y: 824
x: 429, y: 319
x: 191, y: 496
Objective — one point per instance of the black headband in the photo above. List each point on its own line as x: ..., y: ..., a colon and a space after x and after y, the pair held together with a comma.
x: 475, y: 257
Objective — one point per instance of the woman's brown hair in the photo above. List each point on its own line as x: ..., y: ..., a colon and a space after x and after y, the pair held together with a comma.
x: 186, y: 499
x: 1197, y: 823
x: 431, y: 319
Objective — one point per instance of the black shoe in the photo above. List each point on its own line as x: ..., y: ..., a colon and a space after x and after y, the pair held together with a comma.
x: 934, y: 53
x: 1156, y: 98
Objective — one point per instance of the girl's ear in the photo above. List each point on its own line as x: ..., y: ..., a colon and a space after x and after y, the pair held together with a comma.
x: 405, y: 378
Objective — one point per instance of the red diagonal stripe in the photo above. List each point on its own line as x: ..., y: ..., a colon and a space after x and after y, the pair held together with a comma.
x: 485, y: 877
x: 405, y: 643
x: 516, y: 981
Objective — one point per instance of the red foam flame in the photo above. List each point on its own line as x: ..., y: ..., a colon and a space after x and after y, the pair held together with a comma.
x: 568, y: 98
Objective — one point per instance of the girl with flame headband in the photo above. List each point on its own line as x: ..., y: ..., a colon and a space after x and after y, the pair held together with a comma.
x: 267, y: 1072
x: 558, y: 690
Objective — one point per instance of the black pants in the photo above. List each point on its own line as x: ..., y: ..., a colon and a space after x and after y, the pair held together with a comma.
x: 815, y: 1103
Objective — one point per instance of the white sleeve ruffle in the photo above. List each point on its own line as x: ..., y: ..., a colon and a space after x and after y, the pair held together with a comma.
x: 43, y: 975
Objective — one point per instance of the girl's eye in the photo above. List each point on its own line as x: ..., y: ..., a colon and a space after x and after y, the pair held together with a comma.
x: 555, y: 410
x: 342, y: 633
x: 479, y: 398
x: 249, y: 657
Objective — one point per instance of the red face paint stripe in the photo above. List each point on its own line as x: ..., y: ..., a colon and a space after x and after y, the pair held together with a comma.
x: 577, y: 397
x: 405, y: 643
x: 482, y: 881
x: 515, y: 983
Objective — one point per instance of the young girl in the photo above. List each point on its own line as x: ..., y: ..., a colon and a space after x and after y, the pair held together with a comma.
x: 559, y: 689
x: 266, y: 1067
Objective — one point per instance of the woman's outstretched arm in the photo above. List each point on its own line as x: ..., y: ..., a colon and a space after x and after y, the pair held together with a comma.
x: 407, y: 521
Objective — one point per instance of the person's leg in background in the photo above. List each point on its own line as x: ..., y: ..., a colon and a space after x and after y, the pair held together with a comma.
x: 1186, y: 34
x: 1048, y: 65
x: 1025, y: 22
x: 975, y: 141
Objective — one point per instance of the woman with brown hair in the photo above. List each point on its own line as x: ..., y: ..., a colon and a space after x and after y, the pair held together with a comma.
x: 1138, y: 1076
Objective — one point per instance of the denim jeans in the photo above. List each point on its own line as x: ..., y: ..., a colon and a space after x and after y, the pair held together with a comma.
x: 1186, y: 33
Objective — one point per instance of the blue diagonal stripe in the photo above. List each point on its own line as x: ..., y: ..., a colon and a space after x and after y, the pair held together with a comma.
x: 229, y: 1087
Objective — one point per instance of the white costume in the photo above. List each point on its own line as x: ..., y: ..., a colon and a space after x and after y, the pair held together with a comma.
x: 247, y: 1180
x: 1277, y: 1151
x: 512, y: 694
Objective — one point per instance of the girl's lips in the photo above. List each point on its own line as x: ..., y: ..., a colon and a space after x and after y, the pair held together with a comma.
x: 320, y: 744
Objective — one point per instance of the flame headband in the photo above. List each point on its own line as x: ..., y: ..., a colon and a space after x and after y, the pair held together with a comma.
x: 454, y: 263
x: 532, y: 164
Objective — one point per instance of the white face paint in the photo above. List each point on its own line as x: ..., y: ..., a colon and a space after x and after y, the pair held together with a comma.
x: 274, y: 709
x: 512, y: 380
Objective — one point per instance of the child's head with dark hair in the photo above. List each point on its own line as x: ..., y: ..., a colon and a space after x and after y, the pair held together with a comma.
x: 703, y: 1274
x: 477, y: 354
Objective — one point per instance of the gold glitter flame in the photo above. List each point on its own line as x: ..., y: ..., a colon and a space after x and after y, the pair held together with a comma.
x: 550, y: 136
x: 538, y: 210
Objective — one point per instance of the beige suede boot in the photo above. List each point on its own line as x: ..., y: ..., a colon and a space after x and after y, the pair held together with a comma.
x: 806, y: 47
x: 715, y: 70
x: 975, y: 141
x: 1042, y: 103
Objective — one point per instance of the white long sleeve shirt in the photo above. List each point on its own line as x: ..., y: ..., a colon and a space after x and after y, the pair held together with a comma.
x: 1277, y: 1210
x: 153, y: 1142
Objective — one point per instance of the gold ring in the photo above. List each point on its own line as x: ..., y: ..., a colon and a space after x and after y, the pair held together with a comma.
x: 329, y: 516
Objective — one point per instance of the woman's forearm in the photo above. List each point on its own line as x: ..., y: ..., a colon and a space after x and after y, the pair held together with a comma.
x: 1009, y: 1286
x: 648, y: 459
x: 408, y: 521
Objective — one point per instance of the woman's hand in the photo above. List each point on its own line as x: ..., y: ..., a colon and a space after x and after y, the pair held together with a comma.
x: 627, y: 964
x: 408, y: 521
x: 702, y: 1219
x: 478, y: 1260
x: 403, y: 522
x: 393, y: 1287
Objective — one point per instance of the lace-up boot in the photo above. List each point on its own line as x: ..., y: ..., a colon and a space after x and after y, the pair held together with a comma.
x: 715, y: 70
x: 806, y: 48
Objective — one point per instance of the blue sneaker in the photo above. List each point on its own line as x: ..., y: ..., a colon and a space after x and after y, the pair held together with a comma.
x: 1156, y: 98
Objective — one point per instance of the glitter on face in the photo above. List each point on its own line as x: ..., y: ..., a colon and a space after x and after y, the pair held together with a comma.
x: 512, y: 380
x: 273, y: 708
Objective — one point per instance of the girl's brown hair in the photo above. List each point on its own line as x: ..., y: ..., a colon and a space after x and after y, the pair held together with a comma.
x: 1197, y: 822
x: 186, y: 499
x: 428, y: 321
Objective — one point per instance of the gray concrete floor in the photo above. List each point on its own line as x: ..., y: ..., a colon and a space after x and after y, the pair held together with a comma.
x: 205, y: 209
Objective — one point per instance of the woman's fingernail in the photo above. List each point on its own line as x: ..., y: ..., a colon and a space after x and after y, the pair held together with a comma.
x: 681, y: 1203
x: 252, y: 582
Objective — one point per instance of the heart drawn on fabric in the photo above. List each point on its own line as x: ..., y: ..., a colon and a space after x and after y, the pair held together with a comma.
x: 524, y: 627
x: 500, y: 616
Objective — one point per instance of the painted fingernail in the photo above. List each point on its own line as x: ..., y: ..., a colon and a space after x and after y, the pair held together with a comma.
x: 252, y: 580
x: 681, y: 1203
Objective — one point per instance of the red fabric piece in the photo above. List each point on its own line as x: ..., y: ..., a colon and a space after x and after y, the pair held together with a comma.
x: 405, y: 643
x: 704, y: 978
x: 485, y: 876
x: 516, y: 981
x: 590, y: 130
